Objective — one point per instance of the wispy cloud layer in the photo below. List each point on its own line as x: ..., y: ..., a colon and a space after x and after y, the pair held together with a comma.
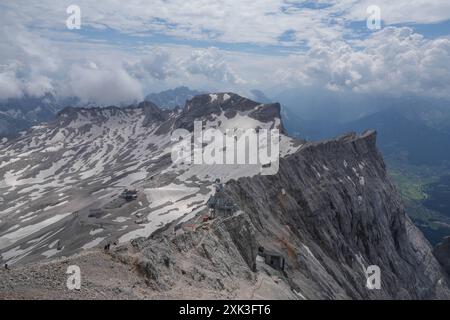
x: 126, y: 49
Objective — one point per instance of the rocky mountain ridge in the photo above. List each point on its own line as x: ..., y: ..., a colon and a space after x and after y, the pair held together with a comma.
x: 329, y: 213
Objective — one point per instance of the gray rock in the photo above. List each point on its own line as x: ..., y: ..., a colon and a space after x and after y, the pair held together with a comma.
x: 442, y: 254
x: 340, y: 214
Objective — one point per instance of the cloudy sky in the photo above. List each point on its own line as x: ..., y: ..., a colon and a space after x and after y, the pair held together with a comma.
x: 126, y: 49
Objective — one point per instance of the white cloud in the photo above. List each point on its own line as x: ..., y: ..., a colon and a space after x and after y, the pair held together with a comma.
x: 38, y: 85
x: 9, y: 86
x: 155, y: 63
x: 38, y: 54
x: 398, y: 11
x: 394, y: 60
x: 244, y: 21
x: 212, y: 65
x: 107, y: 84
x: 261, y: 21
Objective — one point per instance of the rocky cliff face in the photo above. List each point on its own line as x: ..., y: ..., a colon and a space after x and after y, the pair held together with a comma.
x: 206, y: 258
x: 332, y: 211
x: 442, y: 254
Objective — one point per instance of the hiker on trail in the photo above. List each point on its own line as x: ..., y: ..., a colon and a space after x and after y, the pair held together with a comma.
x: 107, y: 247
x: 6, y: 266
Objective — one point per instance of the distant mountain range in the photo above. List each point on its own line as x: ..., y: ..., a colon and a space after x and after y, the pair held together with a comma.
x: 18, y: 114
x: 400, y: 134
x: 170, y: 99
x: 258, y: 95
x: 21, y: 113
x: 177, y: 97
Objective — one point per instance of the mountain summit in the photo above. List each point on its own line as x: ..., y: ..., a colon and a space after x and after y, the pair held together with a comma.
x: 57, y: 173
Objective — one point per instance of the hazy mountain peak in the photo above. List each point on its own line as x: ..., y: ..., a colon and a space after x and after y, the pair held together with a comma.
x: 260, y: 96
x: 172, y: 98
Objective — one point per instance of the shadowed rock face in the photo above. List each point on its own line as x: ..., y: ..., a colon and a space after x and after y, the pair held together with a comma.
x: 442, y: 254
x: 215, y: 257
x: 207, y: 105
x: 339, y: 214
